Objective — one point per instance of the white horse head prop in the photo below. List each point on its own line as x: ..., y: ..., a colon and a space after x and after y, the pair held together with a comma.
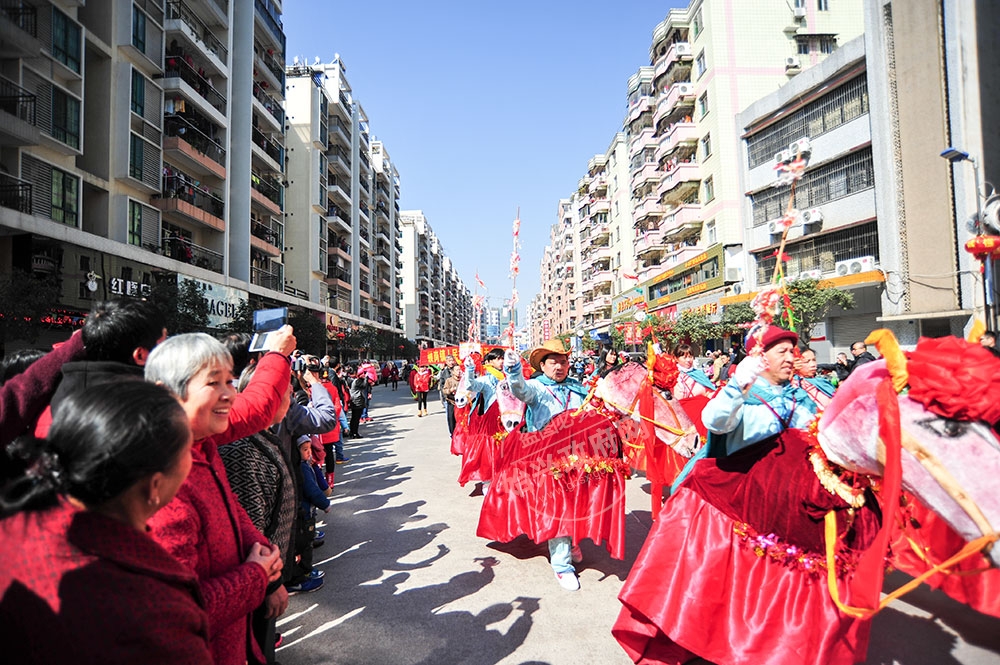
x: 939, y: 455
x: 511, y: 408
x: 462, y: 396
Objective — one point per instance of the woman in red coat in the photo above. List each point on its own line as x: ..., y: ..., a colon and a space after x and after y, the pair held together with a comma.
x: 81, y: 580
x: 205, y: 527
x: 422, y: 385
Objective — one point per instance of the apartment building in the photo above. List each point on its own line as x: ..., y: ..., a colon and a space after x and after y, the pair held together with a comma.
x: 343, y: 233
x: 707, y: 62
x: 824, y: 115
x: 437, y: 306
x: 141, y: 145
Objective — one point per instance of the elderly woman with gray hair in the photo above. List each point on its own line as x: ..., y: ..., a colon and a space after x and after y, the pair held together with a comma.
x: 205, y: 527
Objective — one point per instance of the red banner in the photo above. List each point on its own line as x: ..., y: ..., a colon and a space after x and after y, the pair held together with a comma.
x: 437, y: 355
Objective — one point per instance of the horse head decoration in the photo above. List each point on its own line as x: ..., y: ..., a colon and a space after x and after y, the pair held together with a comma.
x: 950, y: 452
x: 511, y: 408
x: 462, y: 396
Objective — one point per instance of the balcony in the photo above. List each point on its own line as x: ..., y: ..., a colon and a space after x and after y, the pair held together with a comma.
x: 601, y: 254
x: 678, y: 95
x: 17, y: 126
x: 678, y: 134
x: 342, y: 276
x: 176, y: 67
x: 600, y: 206
x: 181, y: 195
x: 648, y: 207
x: 267, y: 235
x: 335, y: 215
x: 681, y: 219
x: 678, y: 52
x: 19, y: 27
x: 267, y: 192
x: 600, y: 278
x: 269, y: 66
x: 269, y: 16
x: 679, y: 255
x: 267, y: 278
x: 274, y: 150
x: 679, y: 180
x: 649, y: 244
x: 15, y: 194
x: 183, y: 250
x: 188, y: 145
x: 640, y: 140
x: 270, y: 105
x: 649, y: 172
x: 636, y: 110
x: 196, y: 31
x: 340, y: 189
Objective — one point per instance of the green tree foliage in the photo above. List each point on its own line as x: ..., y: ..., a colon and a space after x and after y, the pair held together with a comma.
x: 242, y: 321
x: 310, y: 332
x: 24, y: 300
x: 735, y: 319
x: 691, y: 327
x: 184, y: 305
x: 811, y: 304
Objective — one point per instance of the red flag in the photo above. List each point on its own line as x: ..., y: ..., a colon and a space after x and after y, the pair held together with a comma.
x: 479, y: 281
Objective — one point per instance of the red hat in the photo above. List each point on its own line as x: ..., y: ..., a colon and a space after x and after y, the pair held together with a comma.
x: 771, y: 336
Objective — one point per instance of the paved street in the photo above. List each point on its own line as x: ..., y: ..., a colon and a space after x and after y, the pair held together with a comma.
x: 407, y: 581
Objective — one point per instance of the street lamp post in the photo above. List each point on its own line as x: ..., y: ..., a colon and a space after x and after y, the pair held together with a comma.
x: 954, y: 155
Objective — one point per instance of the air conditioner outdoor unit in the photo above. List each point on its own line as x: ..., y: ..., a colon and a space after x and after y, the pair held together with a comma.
x: 791, y: 62
x: 810, y: 274
x: 783, y: 157
x: 773, y: 228
x: 733, y: 275
x: 799, y: 12
x: 812, y: 216
x: 854, y: 266
x: 685, y: 89
x: 801, y: 147
x: 683, y: 49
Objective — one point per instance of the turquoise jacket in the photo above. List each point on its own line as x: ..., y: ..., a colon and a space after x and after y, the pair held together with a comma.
x: 485, y: 386
x: 767, y: 410
x: 544, y: 397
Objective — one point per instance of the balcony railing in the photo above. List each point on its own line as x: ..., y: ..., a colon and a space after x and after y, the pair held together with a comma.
x: 268, y: 102
x: 267, y: 57
x: 182, y: 128
x: 17, y: 101
x: 182, y: 249
x: 181, y: 186
x: 271, y: 20
x: 270, y: 232
x: 178, y: 9
x: 15, y: 193
x: 25, y: 17
x: 341, y: 274
x: 269, y: 279
x: 268, y: 187
x: 177, y: 67
x: 273, y: 149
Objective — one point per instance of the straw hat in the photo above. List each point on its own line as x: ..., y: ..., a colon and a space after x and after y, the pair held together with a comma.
x: 549, y: 346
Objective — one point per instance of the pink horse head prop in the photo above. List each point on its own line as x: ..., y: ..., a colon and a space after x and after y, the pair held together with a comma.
x: 938, y: 452
x: 619, y: 390
x: 511, y: 408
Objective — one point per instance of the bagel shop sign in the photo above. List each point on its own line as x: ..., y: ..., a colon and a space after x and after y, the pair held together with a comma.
x: 223, y: 301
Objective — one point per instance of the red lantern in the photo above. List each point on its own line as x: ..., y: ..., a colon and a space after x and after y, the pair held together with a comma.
x: 984, y: 246
x: 341, y: 335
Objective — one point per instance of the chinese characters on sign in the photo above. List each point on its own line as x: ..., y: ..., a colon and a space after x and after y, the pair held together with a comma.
x: 122, y: 287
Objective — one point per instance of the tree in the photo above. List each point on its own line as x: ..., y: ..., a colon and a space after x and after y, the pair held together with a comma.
x: 183, y: 304
x: 242, y: 321
x: 691, y: 327
x: 811, y: 303
x: 24, y: 301
x: 310, y: 332
x: 735, y: 319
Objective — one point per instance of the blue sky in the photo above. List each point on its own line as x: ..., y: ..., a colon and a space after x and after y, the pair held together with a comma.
x: 484, y: 107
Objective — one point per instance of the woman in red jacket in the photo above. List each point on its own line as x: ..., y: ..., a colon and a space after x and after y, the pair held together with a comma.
x: 205, y: 527
x: 422, y: 385
x: 81, y: 580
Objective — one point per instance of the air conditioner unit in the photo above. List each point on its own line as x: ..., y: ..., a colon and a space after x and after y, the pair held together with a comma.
x: 812, y: 216
x: 685, y: 89
x: 799, y: 12
x: 810, y: 274
x: 791, y: 62
x: 733, y: 275
x: 783, y: 157
x: 773, y: 228
x: 801, y: 147
x: 854, y: 266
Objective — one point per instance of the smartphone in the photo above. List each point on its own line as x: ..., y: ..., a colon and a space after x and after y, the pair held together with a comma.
x: 266, y: 321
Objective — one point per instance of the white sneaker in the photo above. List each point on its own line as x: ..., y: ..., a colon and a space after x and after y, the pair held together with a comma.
x: 575, y: 555
x: 568, y: 581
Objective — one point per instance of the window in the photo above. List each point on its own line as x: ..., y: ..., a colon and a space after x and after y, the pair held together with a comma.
x: 84, y: 263
x: 135, y: 223
x: 64, y: 197
x: 827, y: 44
x: 696, y: 24
x: 802, y: 45
x: 138, y: 92
x: 138, y: 29
x: 135, y: 156
x: 706, y: 146
x: 709, y: 186
x: 65, y: 118
x: 703, y: 104
x: 710, y: 235
x: 823, y: 5
x: 65, y: 40
x: 699, y: 65
x: 800, y: 4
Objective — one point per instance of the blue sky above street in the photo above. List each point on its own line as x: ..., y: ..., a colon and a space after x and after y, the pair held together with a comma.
x: 484, y: 107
